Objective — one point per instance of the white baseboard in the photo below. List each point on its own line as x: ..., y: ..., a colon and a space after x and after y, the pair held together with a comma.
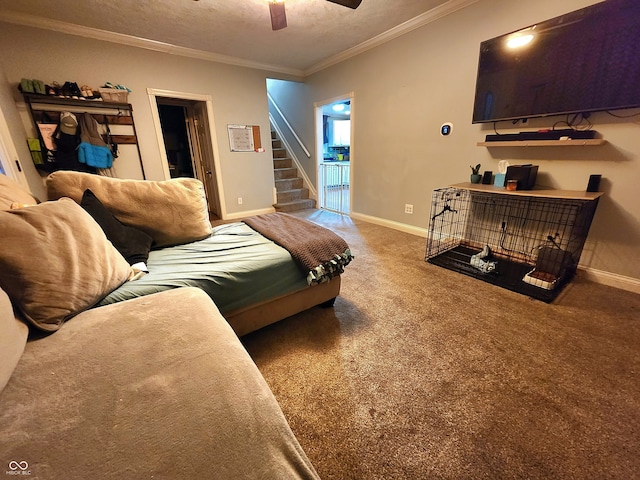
x: 403, y: 227
x: 628, y: 284
x: 248, y: 213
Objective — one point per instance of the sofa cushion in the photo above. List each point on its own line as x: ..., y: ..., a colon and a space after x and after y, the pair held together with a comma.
x: 155, y: 387
x: 133, y: 244
x: 55, y: 261
x: 172, y: 212
x: 12, y: 192
x: 13, y: 337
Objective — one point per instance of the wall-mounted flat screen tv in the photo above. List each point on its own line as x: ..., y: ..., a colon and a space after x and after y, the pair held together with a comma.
x: 584, y: 61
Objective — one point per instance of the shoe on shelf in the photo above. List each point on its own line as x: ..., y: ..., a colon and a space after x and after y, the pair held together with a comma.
x: 38, y: 87
x: 26, y: 86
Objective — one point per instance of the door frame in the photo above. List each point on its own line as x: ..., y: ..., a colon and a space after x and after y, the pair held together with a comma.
x: 319, y: 141
x: 9, y: 155
x: 153, y: 94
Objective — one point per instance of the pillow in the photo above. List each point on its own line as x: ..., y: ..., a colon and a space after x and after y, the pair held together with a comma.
x: 56, y: 261
x: 13, y: 338
x: 12, y: 192
x: 133, y: 244
x: 172, y: 212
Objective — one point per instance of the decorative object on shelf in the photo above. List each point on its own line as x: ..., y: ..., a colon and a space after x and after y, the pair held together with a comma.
x: 487, y: 176
x: 525, y: 175
x: 46, y: 111
x: 594, y: 183
x: 475, y: 174
x: 114, y: 93
x: 500, y: 178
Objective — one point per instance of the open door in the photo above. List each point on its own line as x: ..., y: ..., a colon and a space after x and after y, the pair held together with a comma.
x: 188, y: 145
x: 202, y: 152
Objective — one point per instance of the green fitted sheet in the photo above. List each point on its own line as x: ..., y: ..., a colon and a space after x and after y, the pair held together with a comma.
x: 236, y: 267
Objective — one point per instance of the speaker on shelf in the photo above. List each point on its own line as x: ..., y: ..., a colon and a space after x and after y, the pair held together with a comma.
x: 594, y: 183
x: 487, y: 177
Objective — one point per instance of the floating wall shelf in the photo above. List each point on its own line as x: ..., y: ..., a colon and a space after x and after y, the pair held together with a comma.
x: 545, y: 143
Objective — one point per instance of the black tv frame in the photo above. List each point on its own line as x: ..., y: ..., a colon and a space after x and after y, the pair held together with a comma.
x: 581, y: 62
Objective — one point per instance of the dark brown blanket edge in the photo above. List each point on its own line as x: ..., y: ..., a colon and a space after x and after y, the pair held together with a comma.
x: 321, y: 253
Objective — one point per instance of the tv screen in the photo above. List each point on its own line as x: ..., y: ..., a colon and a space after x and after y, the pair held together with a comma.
x: 584, y: 61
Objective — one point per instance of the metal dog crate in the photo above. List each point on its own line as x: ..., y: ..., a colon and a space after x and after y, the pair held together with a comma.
x: 526, y: 241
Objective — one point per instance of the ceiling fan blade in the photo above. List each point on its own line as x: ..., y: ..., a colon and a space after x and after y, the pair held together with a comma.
x: 278, y: 15
x: 348, y: 3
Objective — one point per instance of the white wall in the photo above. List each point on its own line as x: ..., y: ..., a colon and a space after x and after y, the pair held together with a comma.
x: 238, y: 97
x: 405, y: 89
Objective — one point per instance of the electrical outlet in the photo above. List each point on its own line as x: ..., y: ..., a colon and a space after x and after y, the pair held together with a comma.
x: 239, y: 200
x: 408, y: 208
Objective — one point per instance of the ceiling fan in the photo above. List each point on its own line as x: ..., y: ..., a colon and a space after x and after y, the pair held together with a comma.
x: 279, y: 17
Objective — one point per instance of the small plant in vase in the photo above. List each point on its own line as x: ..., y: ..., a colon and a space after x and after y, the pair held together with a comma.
x: 475, y: 174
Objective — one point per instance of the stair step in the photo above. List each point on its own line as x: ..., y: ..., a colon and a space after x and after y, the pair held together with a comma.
x: 273, y: 134
x: 282, y: 163
x: 282, y: 173
x: 295, y: 205
x: 285, y: 196
x: 275, y: 143
x: 279, y: 153
x: 288, y: 184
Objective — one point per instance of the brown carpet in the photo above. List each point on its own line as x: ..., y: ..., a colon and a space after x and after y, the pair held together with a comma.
x: 419, y: 372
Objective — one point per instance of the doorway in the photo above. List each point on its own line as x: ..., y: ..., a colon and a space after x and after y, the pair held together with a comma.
x: 185, y: 133
x: 335, y: 153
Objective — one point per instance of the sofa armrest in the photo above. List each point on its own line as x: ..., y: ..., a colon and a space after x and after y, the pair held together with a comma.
x: 155, y: 387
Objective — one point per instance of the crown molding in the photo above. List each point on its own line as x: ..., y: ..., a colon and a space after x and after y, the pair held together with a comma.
x: 421, y: 20
x: 138, y: 42
x: 97, y: 34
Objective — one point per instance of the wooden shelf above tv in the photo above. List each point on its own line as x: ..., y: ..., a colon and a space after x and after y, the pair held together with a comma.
x: 546, y: 143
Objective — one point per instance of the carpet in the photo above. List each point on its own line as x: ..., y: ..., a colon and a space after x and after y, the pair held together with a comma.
x: 419, y: 372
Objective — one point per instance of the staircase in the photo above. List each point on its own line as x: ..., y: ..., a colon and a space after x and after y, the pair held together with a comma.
x: 290, y: 192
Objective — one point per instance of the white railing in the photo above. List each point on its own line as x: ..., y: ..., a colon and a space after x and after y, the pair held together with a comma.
x: 335, y: 186
x: 288, y: 125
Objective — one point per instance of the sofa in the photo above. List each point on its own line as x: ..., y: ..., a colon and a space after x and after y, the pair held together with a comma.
x: 158, y: 386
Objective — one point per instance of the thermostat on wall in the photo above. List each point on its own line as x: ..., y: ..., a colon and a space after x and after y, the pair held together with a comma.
x: 446, y: 128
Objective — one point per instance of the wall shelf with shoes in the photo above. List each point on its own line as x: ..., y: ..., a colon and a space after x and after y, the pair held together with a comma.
x: 48, y: 108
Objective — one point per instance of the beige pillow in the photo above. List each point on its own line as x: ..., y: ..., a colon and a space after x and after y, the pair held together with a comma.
x: 12, y: 192
x: 13, y: 338
x: 171, y: 212
x: 56, y: 261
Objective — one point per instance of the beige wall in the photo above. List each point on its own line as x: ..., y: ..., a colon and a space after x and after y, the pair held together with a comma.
x: 238, y: 97
x: 405, y: 89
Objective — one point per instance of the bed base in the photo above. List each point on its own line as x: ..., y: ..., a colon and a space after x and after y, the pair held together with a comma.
x: 249, y: 319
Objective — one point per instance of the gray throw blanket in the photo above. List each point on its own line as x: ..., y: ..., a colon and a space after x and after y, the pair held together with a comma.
x: 317, y: 250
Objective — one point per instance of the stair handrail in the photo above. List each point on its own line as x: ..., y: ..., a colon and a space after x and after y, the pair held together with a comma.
x: 284, y: 119
x: 301, y: 171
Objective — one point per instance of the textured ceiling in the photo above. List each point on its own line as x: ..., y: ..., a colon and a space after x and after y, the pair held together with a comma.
x: 317, y: 30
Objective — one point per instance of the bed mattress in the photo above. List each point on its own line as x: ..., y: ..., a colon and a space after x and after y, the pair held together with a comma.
x: 236, y: 267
